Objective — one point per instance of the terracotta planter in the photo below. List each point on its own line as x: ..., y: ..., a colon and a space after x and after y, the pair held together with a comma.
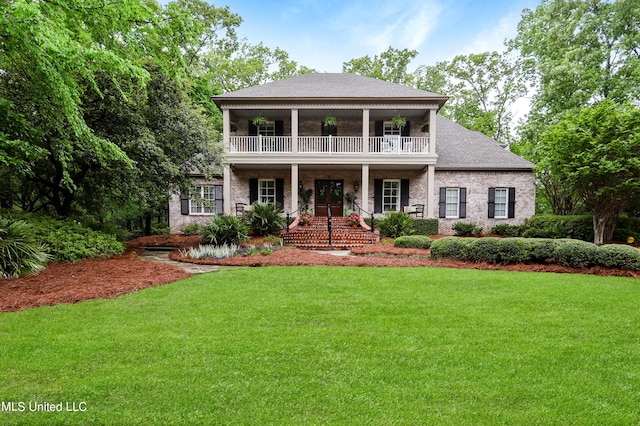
x: 354, y: 225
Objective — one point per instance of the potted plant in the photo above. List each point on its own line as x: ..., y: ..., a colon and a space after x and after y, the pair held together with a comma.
x: 330, y: 121
x: 306, y: 218
x: 350, y: 197
x: 399, y: 122
x: 354, y: 219
x: 305, y: 195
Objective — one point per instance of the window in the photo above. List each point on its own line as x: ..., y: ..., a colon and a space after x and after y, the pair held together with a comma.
x: 452, y: 203
x: 391, y: 195
x: 203, y: 200
x: 502, y: 203
x: 390, y: 129
x: 267, y: 191
x: 268, y: 130
x: 502, y: 198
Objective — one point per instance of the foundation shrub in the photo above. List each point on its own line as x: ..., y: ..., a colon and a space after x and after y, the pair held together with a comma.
x: 225, y: 230
x: 425, y: 226
x: 265, y: 219
x: 450, y: 248
x: 395, y: 224
x: 619, y: 256
x: 541, y: 249
x: 413, y: 241
x: 507, y: 230
x: 514, y: 250
x: 579, y: 227
x: 465, y: 229
x: 484, y: 250
x: 192, y: 229
x: 576, y: 253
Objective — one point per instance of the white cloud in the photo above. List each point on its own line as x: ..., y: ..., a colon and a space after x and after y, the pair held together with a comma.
x: 493, y: 38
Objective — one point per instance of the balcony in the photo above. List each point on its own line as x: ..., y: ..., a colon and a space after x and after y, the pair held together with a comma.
x: 347, y: 145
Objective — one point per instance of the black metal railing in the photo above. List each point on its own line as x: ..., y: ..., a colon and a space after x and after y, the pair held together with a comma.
x: 361, y: 211
x: 289, y: 219
x: 329, y: 223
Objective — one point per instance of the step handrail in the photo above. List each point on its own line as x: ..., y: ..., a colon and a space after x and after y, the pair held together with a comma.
x: 361, y: 211
x: 329, y: 223
x: 289, y: 217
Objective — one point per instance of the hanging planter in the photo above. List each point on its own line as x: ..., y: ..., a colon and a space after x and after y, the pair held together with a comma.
x: 260, y: 121
x: 399, y: 122
x: 330, y: 121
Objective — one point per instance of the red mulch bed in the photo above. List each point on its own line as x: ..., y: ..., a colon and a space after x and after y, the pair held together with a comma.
x: 109, y: 278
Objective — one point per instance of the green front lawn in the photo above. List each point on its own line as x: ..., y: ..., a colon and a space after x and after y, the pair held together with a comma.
x: 329, y: 345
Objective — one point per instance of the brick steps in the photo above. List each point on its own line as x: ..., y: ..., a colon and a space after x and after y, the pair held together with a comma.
x: 316, y: 236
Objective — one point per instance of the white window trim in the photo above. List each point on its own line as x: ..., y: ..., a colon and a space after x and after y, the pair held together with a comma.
x: 200, y: 202
x: 457, y: 215
x: 398, y: 198
x: 268, y: 130
x: 389, y: 129
x: 506, y: 204
x: 260, y: 194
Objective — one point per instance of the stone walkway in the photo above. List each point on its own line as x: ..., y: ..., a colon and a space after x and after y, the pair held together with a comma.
x: 163, y: 257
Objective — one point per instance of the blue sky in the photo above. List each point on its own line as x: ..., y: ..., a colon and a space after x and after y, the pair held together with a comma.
x: 322, y: 34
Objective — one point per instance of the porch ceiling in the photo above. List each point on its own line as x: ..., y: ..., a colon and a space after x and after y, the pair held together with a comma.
x: 318, y: 114
x: 328, y: 167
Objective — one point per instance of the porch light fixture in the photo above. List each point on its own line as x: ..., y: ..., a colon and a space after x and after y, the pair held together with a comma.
x: 300, y: 186
x: 356, y: 186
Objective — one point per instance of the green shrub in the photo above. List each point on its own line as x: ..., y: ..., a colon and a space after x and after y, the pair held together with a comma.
x: 19, y: 252
x: 576, y: 253
x: 225, y: 230
x: 514, y: 250
x: 542, y: 248
x: 449, y: 248
x: 192, y: 229
x: 507, y: 230
x: 413, y: 241
x: 70, y: 241
x: 464, y: 229
x: 579, y: 227
x: 395, y: 224
x: 425, y: 226
x: 265, y: 219
x: 484, y: 250
x: 619, y: 256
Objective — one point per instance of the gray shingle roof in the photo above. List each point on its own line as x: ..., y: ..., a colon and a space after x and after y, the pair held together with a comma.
x: 330, y: 85
x: 459, y: 148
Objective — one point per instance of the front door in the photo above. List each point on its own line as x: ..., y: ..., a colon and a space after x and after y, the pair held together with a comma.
x: 329, y: 196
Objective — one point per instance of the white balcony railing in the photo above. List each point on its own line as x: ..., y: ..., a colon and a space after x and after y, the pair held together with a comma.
x: 256, y: 144
x: 389, y: 145
x: 329, y: 144
x: 394, y: 144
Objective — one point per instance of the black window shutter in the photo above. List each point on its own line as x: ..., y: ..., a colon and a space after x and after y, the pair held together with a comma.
x: 443, y: 202
x: 328, y: 130
x: 404, y: 193
x: 463, y: 203
x: 377, y: 195
x: 219, y: 200
x: 184, y: 203
x: 379, y: 128
x: 279, y: 124
x: 253, y: 130
x: 280, y: 192
x: 253, y: 190
x: 407, y: 129
x: 512, y: 203
x: 492, y: 202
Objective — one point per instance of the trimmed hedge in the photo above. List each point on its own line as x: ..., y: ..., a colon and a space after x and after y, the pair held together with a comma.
x: 425, y: 226
x: 566, y: 252
x: 465, y: 229
x: 449, y: 248
x: 413, y: 241
x: 578, y: 227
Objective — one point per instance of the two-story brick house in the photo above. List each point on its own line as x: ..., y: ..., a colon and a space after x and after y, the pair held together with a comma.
x: 455, y: 173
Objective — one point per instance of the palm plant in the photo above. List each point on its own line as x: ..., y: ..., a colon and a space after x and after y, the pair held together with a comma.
x: 19, y: 252
x: 265, y: 219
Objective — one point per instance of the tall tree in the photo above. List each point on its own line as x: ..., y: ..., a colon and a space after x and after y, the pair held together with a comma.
x: 596, y: 153
x: 391, y: 66
x: 483, y: 88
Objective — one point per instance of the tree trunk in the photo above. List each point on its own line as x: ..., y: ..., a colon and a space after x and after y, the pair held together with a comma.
x: 599, y: 225
x: 147, y: 223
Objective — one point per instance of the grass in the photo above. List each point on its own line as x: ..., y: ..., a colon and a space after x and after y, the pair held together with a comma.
x: 321, y: 345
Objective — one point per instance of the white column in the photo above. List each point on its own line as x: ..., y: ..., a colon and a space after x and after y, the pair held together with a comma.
x: 364, y: 188
x: 294, y: 187
x: 226, y: 189
x: 226, y: 129
x: 294, y: 133
x: 432, y: 131
x: 430, y: 209
x: 365, y: 131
